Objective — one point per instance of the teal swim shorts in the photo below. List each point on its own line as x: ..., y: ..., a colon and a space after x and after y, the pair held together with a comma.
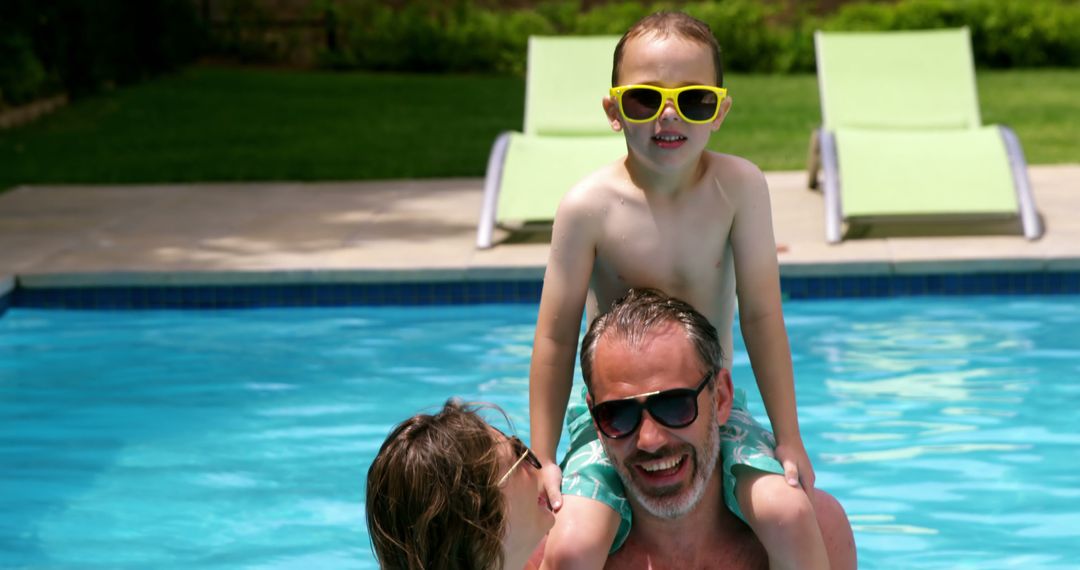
x: 588, y: 473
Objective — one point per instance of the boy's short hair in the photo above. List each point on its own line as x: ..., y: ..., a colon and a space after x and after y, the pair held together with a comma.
x: 664, y: 24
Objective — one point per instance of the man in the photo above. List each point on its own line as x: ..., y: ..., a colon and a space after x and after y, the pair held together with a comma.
x: 659, y: 399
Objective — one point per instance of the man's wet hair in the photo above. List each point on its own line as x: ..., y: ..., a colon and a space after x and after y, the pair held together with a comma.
x: 633, y: 317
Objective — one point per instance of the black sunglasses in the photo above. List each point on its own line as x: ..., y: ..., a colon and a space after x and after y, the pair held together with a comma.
x: 675, y: 408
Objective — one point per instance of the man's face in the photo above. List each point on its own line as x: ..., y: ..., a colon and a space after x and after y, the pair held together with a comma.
x: 665, y: 470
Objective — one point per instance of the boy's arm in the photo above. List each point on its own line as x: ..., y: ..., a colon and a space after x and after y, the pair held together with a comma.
x: 558, y: 324
x: 761, y: 320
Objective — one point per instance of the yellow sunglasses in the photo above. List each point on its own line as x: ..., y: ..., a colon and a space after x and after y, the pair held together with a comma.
x: 695, y: 103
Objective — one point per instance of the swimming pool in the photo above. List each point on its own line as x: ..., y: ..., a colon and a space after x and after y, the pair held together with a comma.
x: 227, y: 439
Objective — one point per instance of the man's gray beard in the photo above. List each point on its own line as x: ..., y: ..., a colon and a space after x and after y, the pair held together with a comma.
x: 673, y: 507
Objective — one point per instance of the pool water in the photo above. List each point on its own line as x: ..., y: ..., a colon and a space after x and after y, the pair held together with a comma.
x: 240, y: 439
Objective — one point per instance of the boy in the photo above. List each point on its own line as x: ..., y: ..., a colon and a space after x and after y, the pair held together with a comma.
x: 674, y: 217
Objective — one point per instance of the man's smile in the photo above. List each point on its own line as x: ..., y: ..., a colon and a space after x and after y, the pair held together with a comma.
x: 663, y: 475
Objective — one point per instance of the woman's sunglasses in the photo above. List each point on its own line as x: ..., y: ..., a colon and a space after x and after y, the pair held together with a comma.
x: 676, y: 408
x: 524, y: 454
x: 695, y: 103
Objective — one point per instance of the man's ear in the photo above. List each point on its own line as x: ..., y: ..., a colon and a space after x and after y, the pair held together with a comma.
x: 611, y: 109
x: 725, y: 106
x: 724, y: 395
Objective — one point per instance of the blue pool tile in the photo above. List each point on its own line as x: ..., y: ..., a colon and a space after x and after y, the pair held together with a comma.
x: 999, y: 283
x: 1038, y: 282
x: 1053, y: 283
x: 950, y: 284
x: 934, y: 284
x: 517, y: 291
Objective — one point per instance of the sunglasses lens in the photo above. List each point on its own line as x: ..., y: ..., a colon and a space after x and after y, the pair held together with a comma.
x: 698, y: 104
x: 639, y: 104
x: 520, y: 449
x: 675, y: 408
x: 533, y: 460
x: 618, y: 417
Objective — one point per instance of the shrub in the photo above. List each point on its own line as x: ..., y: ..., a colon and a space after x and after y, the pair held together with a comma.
x: 22, y: 76
x: 612, y: 19
x: 86, y: 45
x: 441, y: 38
x: 458, y: 35
x: 746, y: 40
x: 1004, y: 33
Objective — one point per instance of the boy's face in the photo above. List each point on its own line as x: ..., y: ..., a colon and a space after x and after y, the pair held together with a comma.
x: 668, y: 141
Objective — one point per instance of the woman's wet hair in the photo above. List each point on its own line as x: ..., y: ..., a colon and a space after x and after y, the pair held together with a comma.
x: 432, y: 494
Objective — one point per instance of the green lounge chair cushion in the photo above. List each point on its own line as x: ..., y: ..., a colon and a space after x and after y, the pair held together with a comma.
x: 890, y: 80
x: 955, y: 173
x: 568, y: 77
x: 541, y: 169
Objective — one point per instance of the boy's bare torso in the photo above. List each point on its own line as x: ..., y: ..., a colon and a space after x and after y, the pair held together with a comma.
x: 677, y: 243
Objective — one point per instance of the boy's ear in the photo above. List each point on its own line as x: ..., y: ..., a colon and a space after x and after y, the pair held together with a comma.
x: 611, y: 109
x: 725, y: 106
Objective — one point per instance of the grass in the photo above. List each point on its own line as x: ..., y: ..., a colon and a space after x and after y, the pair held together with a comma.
x: 244, y: 124
x: 223, y: 124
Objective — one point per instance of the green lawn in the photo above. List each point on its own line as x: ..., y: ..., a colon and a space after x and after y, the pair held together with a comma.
x: 208, y: 124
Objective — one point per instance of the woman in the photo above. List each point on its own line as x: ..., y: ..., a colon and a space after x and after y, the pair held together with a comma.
x: 450, y: 491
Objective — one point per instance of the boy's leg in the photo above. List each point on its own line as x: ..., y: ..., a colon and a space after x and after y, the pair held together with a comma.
x: 595, y: 517
x: 836, y: 531
x: 781, y: 516
x: 582, y: 535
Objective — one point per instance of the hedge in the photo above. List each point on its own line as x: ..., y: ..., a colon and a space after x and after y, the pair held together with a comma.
x: 464, y: 36
x: 80, y: 46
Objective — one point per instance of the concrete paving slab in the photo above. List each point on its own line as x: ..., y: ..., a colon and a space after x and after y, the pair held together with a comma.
x: 390, y: 231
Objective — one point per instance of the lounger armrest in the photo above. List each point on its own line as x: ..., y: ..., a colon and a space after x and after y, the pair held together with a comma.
x: 1029, y: 216
x: 492, y: 185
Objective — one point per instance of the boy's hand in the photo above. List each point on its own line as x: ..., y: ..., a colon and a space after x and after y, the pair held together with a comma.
x: 797, y: 468
x: 551, y: 476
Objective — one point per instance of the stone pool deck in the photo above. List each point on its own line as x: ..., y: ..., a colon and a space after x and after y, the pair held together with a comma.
x: 412, y: 230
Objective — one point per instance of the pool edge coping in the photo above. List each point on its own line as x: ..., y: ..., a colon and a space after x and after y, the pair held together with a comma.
x: 476, y: 273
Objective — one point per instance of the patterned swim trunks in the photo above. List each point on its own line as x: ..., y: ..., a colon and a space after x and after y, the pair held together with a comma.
x: 588, y: 473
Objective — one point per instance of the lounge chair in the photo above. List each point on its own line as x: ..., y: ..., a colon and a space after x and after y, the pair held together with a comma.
x: 901, y: 137
x: 566, y: 135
